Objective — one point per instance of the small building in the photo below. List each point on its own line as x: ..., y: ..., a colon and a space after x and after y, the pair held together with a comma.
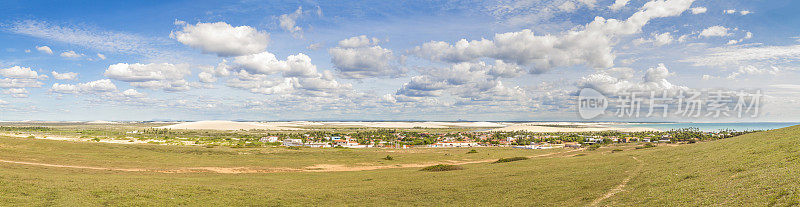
x: 455, y: 144
x: 317, y: 144
x: 593, y: 141
x: 268, y: 139
x: 292, y: 142
x: 572, y: 145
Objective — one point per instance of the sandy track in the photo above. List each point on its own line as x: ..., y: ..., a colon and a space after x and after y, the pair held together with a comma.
x: 237, y: 170
x: 338, y: 168
x: 72, y: 166
x: 621, y: 185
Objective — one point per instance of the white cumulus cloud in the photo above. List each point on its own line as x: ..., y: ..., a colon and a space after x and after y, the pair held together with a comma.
x: 592, y: 45
x: 288, y: 22
x: 165, y: 76
x: 18, y: 72
x: 222, y: 39
x: 98, y: 86
x: 71, y: 54
x: 618, y: 4
x: 699, y: 10
x: 65, y: 76
x: 44, y: 49
x: 714, y: 31
x: 360, y: 57
x: 655, y: 79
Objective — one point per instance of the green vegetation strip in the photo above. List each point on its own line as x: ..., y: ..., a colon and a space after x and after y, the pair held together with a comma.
x: 512, y: 159
x: 441, y: 167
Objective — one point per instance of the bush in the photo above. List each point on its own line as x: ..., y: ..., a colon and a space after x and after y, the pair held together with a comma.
x: 578, y: 155
x: 594, y: 147
x: 388, y: 157
x: 31, y: 137
x: 616, y: 150
x: 472, y: 151
x: 293, y: 148
x: 441, y: 167
x: 648, y: 145
x: 502, y: 160
x: 96, y: 139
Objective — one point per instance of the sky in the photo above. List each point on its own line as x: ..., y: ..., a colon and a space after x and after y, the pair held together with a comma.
x: 504, y: 60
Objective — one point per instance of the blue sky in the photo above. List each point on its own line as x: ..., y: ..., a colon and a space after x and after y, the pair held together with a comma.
x: 382, y: 60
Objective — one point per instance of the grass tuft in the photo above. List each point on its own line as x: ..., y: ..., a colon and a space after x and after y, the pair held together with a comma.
x: 512, y: 159
x: 441, y: 167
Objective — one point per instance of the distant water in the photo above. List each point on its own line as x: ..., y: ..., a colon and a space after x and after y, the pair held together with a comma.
x: 716, y: 126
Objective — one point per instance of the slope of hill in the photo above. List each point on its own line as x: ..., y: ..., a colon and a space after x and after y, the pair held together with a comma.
x: 758, y: 169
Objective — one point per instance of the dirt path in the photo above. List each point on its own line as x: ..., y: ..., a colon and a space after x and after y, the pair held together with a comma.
x: 236, y: 170
x: 337, y: 168
x: 72, y: 166
x: 621, y: 185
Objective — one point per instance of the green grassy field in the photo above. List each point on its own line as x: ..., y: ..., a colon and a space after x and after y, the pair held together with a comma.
x: 759, y: 169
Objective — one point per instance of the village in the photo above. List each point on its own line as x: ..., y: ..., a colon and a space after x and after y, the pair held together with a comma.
x: 522, y: 140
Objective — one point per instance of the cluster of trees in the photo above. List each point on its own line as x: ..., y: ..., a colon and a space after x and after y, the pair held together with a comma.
x: 677, y: 135
x: 26, y: 128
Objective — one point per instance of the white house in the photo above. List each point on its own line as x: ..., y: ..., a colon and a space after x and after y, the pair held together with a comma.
x: 455, y: 144
x: 292, y: 142
x: 268, y: 139
x: 317, y: 144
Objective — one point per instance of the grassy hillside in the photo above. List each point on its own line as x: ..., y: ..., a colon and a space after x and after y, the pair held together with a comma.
x: 760, y: 169
x: 757, y: 169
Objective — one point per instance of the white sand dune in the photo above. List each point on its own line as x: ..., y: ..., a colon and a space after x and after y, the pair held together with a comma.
x: 430, y: 124
x: 386, y: 124
x: 229, y: 125
x: 102, y: 122
x: 471, y: 124
x: 568, y: 127
x: 298, y: 125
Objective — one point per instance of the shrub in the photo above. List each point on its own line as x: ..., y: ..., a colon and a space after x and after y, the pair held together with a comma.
x: 616, y: 150
x: 736, y: 170
x: 293, y: 148
x: 31, y: 137
x: 96, y: 139
x: 578, y: 155
x: 648, y: 145
x: 388, y: 157
x: 472, y: 151
x: 502, y: 160
x: 441, y: 167
x: 594, y: 147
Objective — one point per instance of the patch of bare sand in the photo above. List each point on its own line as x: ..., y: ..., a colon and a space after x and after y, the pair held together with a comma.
x: 230, y: 125
x: 238, y: 170
x: 337, y: 168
